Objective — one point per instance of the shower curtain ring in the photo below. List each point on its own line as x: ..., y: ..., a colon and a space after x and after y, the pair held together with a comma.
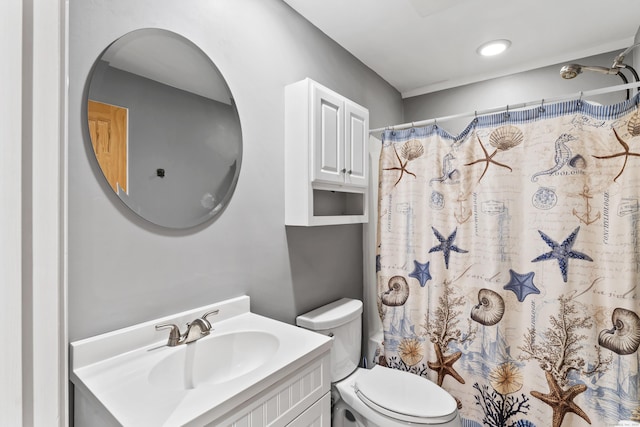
x: 579, y: 103
x: 506, y: 114
x: 541, y: 109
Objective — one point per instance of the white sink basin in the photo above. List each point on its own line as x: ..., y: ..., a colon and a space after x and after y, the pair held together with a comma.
x: 215, y: 359
x: 139, y: 381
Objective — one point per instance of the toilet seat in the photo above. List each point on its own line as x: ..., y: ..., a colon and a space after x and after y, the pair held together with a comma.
x: 401, y: 395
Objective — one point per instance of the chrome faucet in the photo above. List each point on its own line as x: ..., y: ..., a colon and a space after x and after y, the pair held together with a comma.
x: 196, y: 329
x: 175, y: 338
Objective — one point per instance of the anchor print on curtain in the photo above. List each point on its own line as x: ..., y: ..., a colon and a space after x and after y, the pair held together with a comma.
x: 508, y: 263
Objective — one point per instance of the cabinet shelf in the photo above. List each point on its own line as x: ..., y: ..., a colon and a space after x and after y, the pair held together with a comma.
x: 326, y: 157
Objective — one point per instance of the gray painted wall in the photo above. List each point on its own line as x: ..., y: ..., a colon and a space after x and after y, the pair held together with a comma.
x: 636, y: 57
x: 123, y: 270
x: 518, y: 88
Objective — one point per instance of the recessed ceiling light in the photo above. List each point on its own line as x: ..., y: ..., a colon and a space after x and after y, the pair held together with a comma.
x: 494, y: 47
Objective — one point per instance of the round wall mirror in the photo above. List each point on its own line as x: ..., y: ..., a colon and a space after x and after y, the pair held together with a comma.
x: 164, y: 128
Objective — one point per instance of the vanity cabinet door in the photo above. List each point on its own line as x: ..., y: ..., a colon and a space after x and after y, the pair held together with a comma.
x: 327, y: 134
x: 293, y: 401
x: 356, y: 135
x: 317, y: 415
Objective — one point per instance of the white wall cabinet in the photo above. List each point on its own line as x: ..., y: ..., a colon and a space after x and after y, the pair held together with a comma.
x: 326, y: 157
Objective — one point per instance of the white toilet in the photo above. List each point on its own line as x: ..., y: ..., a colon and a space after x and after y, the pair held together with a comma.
x: 379, y: 396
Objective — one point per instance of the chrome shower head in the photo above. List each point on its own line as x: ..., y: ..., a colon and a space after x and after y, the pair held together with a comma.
x: 571, y: 71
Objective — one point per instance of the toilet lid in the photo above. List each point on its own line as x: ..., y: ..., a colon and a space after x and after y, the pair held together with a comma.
x: 405, y: 396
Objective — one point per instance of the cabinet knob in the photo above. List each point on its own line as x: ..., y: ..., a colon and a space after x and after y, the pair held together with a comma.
x: 349, y: 172
x: 343, y: 171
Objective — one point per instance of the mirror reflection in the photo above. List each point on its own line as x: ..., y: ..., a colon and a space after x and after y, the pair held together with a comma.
x: 164, y: 128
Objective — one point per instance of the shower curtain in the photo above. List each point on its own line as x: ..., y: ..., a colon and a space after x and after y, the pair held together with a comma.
x: 508, y: 263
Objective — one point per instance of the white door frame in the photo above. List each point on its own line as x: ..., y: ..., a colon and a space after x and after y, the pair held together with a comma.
x: 33, y: 368
x: 11, y: 211
x: 48, y: 201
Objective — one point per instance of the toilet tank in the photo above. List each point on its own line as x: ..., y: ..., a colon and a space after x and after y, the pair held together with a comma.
x: 341, y: 320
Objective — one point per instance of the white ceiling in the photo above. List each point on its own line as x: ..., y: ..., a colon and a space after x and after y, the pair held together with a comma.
x: 421, y: 46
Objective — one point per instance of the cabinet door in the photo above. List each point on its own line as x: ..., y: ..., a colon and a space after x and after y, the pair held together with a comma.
x: 317, y: 415
x: 327, y: 134
x: 356, y: 137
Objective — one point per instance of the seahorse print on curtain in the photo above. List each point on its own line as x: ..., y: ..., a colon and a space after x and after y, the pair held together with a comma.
x: 508, y: 263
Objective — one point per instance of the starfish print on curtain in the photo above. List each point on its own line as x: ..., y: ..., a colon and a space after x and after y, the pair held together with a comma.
x: 444, y: 365
x: 561, y: 401
x: 624, y: 153
x: 521, y: 285
x: 402, y: 167
x: 421, y: 272
x: 562, y: 252
x: 446, y: 245
x: 487, y: 159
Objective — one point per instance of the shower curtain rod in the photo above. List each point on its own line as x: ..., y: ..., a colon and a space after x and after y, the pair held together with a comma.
x: 578, y: 95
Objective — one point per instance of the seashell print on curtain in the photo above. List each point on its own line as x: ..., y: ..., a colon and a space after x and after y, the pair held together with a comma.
x: 508, y: 263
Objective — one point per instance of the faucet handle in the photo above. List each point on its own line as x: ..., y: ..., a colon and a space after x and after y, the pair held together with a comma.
x: 210, y: 313
x: 174, y: 334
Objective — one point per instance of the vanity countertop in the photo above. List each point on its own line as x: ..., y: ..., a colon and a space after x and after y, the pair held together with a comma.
x: 114, y: 369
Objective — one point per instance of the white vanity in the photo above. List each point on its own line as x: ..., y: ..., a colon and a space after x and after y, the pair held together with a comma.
x: 249, y: 371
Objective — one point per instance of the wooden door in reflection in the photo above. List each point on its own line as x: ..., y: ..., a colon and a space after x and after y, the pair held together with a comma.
x: 108, y: 130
